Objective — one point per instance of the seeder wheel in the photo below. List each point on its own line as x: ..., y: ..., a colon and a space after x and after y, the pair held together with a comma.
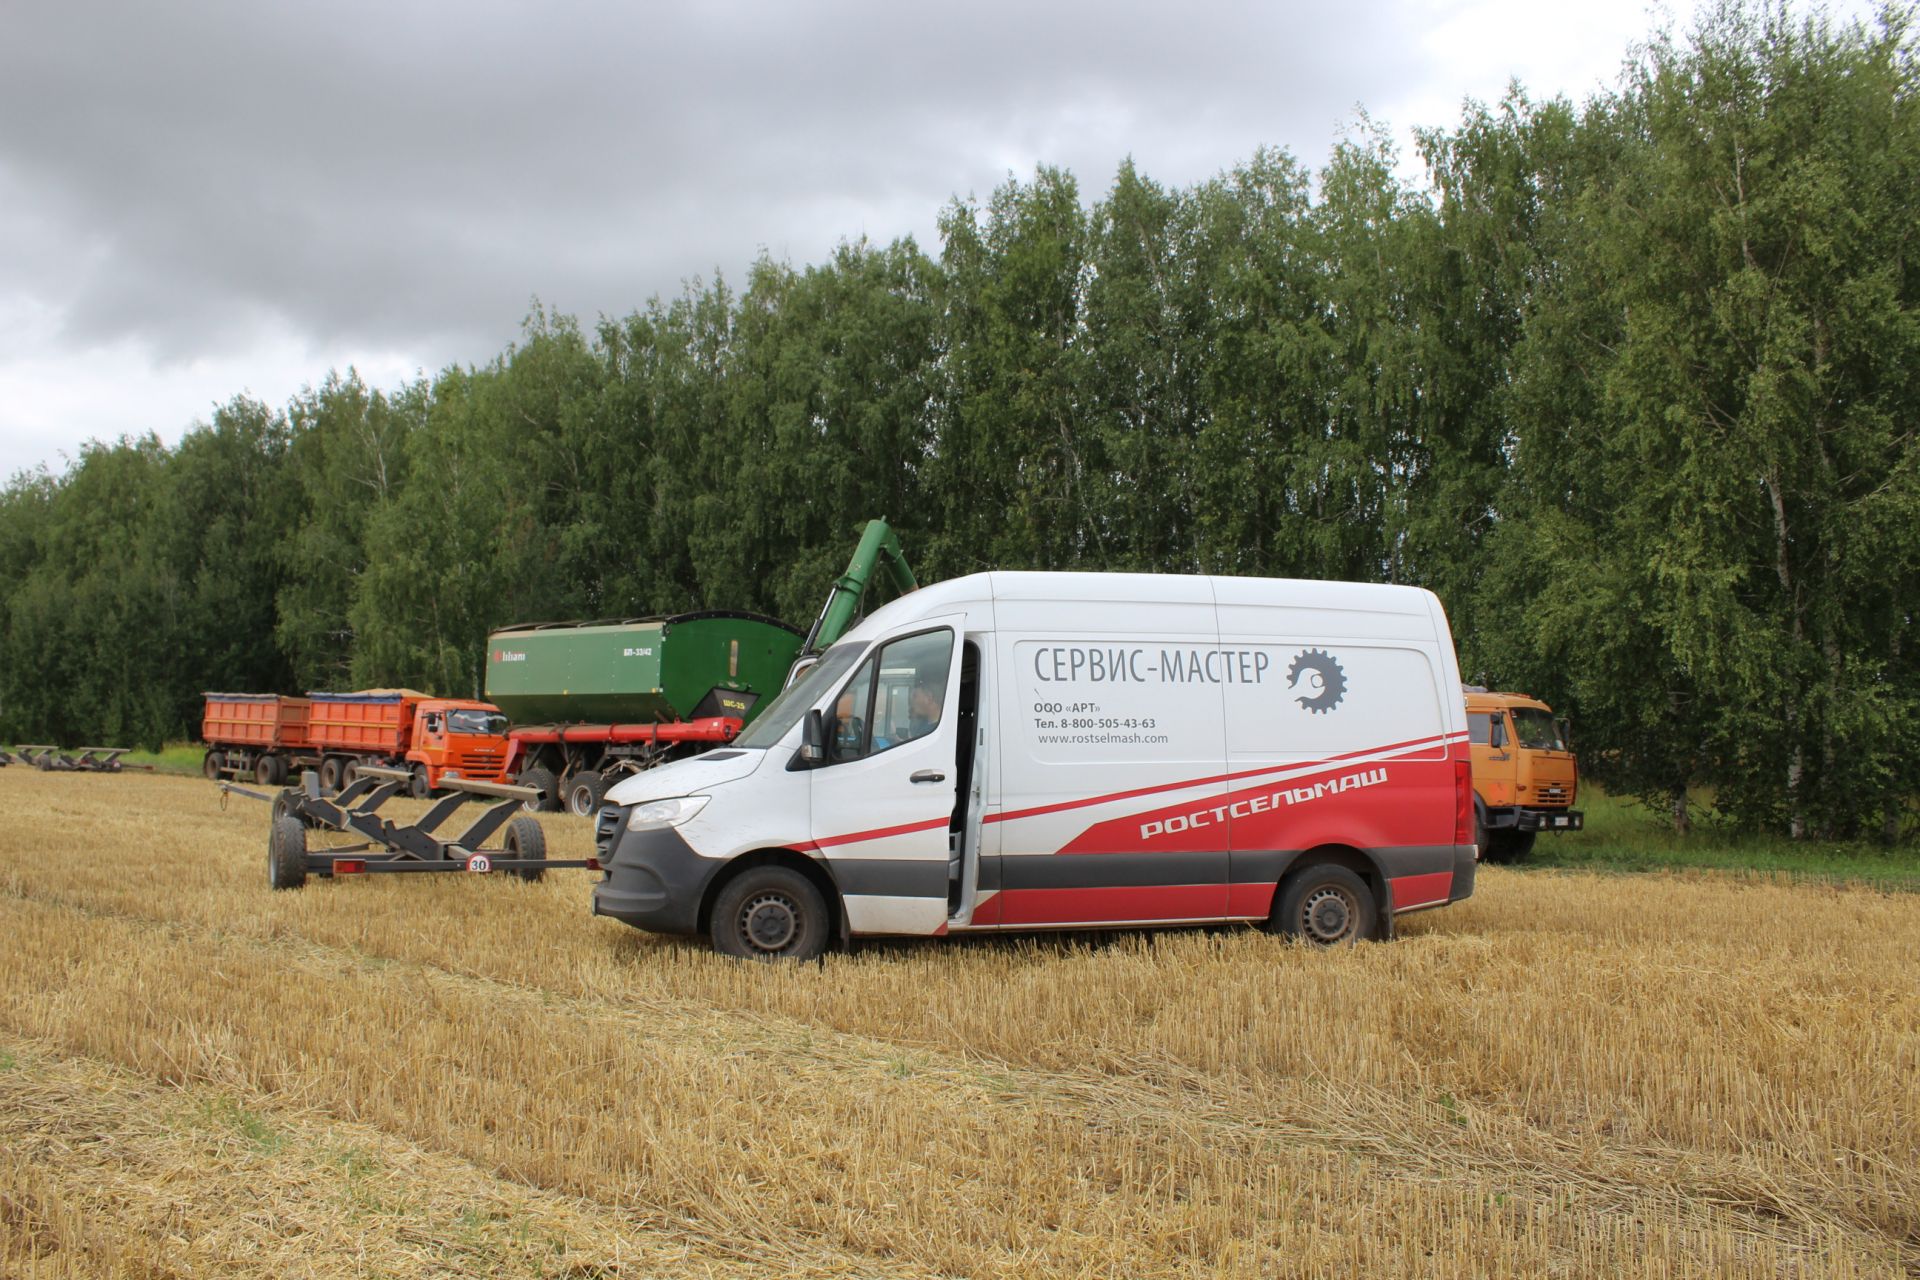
x: 526, y: 839
x: 287, y: 853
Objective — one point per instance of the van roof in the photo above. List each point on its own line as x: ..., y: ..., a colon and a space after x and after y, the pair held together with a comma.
x: 954, y: 594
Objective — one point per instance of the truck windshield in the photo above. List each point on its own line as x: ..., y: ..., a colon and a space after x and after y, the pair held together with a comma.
x: 785, y: 711
x: 491, y: 723
x: 1536, y: 729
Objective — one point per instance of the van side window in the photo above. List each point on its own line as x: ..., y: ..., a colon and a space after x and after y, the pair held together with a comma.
x: 1479, y: 728
x: 898, y: 694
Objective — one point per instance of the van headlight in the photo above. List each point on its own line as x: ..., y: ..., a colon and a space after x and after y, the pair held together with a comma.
x: 655, y: 814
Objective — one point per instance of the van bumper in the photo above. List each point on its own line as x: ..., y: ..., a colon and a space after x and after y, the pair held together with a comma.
x: 655, y: 881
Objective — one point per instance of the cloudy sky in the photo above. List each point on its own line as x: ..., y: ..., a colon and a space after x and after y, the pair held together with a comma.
x: 206, y: 197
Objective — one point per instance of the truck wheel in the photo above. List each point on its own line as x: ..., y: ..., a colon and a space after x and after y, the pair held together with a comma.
x: 419, y: 788
x: 1325, y: 904
x: 263, y: 771
x: 1481, y: 836
x: 1510, y: 846
x: 349, y: 773
x: 526, y: 839
x: 583, y: 794
x: 287, y: 853
x: 540, y: 780
x: 330, y: 774
x: 210, y: 765
x: 770, y: 913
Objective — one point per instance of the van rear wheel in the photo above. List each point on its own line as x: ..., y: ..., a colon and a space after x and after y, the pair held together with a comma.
x: 1325, y: 904
x: 770, y: 913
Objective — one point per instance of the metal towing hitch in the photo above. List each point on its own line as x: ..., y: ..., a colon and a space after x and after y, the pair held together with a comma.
x: 387, y: 846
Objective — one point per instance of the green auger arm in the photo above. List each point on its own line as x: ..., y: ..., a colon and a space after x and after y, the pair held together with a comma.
x: 878, y: 549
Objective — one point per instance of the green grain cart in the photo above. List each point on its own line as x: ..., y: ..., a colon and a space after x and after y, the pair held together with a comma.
x: 593, y: 701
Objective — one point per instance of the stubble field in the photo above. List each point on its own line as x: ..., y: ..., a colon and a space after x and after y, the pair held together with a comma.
x: 469, y: 1076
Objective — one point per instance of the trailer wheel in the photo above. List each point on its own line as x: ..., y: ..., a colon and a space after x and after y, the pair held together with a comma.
x: 330, y: 774
x: 1325, y: 904
x: 583, y: 794
x: 349, y: 773
x: 771, y: 913
x: 419, y: 788
x: 287, y: 853
x: 526, y: 839
x: 210, y: 765
x: 540, y: 780
x: 263, y: 771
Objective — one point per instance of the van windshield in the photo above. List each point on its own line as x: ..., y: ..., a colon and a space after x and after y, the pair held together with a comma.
x: 1536, y: 729
x: 785, y: 711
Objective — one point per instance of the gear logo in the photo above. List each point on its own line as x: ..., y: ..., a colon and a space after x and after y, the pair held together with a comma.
x: 1319, y: 679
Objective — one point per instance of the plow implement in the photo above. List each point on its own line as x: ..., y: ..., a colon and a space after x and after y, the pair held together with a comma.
x: 375, y: 844
x: 51, y: 759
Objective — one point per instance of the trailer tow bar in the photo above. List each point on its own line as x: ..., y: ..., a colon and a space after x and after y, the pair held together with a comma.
x: 386, y: 846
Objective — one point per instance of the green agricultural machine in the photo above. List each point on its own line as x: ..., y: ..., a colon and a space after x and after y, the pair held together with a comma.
x: 591, y: 702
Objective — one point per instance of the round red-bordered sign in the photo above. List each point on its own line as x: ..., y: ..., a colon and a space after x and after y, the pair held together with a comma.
x: 480, y: 864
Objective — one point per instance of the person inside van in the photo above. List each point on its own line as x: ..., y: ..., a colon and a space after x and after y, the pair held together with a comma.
x: 847, y: 728
x: 923, y: 706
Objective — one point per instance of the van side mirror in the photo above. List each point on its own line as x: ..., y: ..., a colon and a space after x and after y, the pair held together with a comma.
x: 813, y: 737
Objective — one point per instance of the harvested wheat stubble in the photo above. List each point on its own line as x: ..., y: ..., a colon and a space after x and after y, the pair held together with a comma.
x: 1650, y: 1076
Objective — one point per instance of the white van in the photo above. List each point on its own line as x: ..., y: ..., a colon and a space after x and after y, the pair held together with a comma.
x: 1017, y: 751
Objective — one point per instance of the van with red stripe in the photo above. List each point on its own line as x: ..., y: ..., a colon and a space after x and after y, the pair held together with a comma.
x: 1019, y: 751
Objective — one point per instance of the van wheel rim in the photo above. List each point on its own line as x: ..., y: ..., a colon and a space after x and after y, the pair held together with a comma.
x: 770, y: 922
x: 1327, y: 915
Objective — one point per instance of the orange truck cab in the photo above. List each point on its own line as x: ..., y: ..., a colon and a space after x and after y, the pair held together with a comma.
x: 435, y: 738
x: 462, y: 737
x: 1525, y: 776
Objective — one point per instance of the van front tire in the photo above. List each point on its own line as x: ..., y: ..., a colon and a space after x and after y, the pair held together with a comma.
x: 1327, y: 905
x: 771, y: 913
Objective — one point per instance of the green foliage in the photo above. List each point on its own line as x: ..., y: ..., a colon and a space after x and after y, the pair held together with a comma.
x: 1630, y: 384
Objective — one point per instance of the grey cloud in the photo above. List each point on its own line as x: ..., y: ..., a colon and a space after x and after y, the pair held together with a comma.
x: 410, y: 174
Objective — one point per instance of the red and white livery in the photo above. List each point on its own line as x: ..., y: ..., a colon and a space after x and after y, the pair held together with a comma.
x: 1070, y: 750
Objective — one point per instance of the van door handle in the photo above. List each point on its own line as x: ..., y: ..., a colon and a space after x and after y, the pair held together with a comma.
x: 928, y: 775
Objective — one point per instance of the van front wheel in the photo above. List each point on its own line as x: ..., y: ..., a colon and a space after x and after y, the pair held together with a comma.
x: 1325, y: 904
x: 770, y: 913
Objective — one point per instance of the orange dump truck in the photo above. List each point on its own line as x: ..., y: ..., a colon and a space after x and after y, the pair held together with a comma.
x: 403, y: 728
x: 262, y: 736
x: 1525, y: 777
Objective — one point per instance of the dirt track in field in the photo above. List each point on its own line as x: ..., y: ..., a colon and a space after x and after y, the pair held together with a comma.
x: 423, y: 1076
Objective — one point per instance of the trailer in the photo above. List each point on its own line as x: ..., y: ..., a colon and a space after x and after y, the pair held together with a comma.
x: 262, y: 736
x: 595, y: 701
x: 51, y: 759
x: 375, y: 845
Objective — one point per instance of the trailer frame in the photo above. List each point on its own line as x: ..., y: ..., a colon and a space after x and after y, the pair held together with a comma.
x: 388, y: 847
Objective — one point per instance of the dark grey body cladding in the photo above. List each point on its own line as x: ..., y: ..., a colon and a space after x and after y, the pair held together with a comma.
x: 1259, y: 866
x: 655, y: 881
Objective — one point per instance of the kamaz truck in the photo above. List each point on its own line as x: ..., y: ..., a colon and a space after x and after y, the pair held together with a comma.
x: 1525, y: 776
